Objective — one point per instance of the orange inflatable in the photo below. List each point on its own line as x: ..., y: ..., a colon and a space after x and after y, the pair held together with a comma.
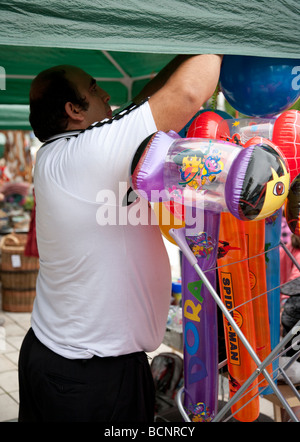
x: 236, y: 296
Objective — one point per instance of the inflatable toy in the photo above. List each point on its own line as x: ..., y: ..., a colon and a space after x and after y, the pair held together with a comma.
x: 259, y: 86
x: 235, y: 293
x: 274, y: 179
x: 241, y: 130
x: 255, y: 240
x: 170, y: 215
x: 286, y: 135
x: 255, y: 234
x: 272, y: 258
x: 201, y: 358
x: 215, y: 113
x: 206, y: 125
x: 195, y: 173
x: 234, y: 285
x: 200, y: 333
x: 211, y: 174
x: 281, y: 133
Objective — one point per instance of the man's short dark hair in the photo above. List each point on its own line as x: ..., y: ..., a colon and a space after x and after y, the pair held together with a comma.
x: 47, y: 107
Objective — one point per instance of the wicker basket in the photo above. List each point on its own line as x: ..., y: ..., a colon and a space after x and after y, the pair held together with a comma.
x: 18, y: 274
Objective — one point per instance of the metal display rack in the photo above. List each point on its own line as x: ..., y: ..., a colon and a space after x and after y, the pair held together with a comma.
x: 279, y: 350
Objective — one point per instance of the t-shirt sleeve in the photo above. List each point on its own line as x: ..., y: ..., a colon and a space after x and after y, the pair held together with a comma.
x: 114, y: 144
x: 101, y: 156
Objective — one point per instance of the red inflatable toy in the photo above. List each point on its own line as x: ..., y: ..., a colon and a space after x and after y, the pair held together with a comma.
x: 286, y: 135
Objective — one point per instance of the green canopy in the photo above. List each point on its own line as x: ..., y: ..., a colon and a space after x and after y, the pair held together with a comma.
x: 14, y: 116
x: 123, y: 73
x: 122, y: 43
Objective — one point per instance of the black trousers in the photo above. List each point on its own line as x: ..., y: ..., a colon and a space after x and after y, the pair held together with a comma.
x: 55, y: 389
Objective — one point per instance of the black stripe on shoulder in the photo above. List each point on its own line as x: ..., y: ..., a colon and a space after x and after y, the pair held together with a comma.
x: 118, y: 116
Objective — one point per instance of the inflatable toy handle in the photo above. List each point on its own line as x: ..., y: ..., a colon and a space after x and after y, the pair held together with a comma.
x: 179, y: 236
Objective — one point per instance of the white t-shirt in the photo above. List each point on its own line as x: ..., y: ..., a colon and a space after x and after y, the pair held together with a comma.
x: 102, y: 289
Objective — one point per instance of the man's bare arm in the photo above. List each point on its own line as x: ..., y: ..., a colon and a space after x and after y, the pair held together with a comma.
x: 181, y: 88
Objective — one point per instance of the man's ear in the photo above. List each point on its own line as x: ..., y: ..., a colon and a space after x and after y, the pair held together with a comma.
x: 74, y: 111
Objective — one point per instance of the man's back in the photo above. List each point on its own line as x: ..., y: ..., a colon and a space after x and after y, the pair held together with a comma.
x: 102, y: 289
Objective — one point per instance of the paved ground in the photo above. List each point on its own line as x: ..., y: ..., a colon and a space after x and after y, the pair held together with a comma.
x: 12, y: 332
x: 13, y: 327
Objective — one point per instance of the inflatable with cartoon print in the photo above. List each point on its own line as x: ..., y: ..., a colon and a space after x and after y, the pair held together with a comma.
x: 223, y: 182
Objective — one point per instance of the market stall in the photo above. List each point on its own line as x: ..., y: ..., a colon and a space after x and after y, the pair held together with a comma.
x: 123, y: 44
